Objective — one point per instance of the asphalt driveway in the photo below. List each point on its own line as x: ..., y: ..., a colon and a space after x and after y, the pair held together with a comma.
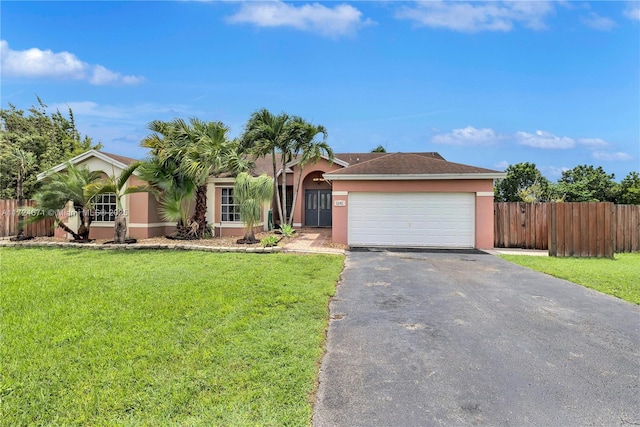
x: 424, y: 339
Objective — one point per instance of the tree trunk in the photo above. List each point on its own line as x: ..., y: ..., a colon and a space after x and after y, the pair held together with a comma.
x: 64, y: 227
x: 249, y: 236
x: 200, y: 213
x: 275, y: 186
x: 120, y: 228
x: 20, y: 196
x: 296, y: 190
x: 85, y: 224
x: 284, y: 192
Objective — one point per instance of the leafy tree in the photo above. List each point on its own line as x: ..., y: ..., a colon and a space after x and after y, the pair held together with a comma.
x: 59, y: 189
x: 628, y: 192
x: 586, y: 184
x: 308, y: 150
x: 118, y: 186
x: 250, y: 194
x: 379, y: 149
x: 524, y: 182
x: 50, y: 139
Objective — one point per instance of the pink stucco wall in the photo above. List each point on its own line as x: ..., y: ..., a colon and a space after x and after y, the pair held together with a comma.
x: 484, y: 204
x: 306, y: 181
x: 143, y: 217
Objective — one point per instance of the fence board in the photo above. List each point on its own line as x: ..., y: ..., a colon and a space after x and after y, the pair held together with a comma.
x: 576, y: 223
x: 9, y: 223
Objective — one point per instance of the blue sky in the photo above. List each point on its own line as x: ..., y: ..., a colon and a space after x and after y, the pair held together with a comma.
x: 482, y: 83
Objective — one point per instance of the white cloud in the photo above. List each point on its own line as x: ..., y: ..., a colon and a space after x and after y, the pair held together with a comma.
x: 468, y: 136
x: 633, y: 12
x: 611, y: 157
x: 552, y: 171
x: 36, y: 63
x: 593, y: 142
x: 597, y: 22
x: 342, y: 19
x: 501, y: 165
x: 133, y: 113
x: 478, y: 16
x: 542, y: 139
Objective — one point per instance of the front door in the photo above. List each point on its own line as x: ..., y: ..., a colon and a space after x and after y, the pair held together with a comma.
x: 317, y: 208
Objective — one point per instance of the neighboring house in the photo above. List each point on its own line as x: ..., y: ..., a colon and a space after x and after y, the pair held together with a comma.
x: 368, y: 199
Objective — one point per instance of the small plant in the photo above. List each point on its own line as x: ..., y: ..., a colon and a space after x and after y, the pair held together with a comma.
x: 287, y: 230
x: 269, y: 241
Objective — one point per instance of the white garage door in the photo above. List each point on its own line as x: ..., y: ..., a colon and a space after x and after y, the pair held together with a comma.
x: 445, y: 220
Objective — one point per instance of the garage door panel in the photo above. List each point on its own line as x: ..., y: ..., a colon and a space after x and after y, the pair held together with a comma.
x: 412, y: 219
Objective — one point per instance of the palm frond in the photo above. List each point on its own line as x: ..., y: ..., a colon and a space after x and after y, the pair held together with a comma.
x: 126, y: 174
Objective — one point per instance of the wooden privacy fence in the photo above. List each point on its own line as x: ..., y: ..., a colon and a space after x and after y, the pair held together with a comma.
x: 521, y: 225
x: 9, y: 221
x: 527, y: 226
x: 582, y: 229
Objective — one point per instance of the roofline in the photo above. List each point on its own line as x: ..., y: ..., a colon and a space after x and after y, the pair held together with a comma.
x: 405, y: 177
x: 335, y: 160
x: 221, y: 180
x: 81, y: 157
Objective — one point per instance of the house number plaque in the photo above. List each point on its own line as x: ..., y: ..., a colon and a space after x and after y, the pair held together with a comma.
x: 339, y: 203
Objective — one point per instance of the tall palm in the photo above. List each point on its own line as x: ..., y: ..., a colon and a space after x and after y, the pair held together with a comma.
x: 22, y: 162
x: 59, y: 189
x: 118, y: 186
x: 308, y: 149
x: 164, y: 171
x: 250, y: 194
x: 266, y: 133
x: 209, y: 153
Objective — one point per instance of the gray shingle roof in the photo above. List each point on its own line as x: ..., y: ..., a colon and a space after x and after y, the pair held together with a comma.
x: 409, y: 164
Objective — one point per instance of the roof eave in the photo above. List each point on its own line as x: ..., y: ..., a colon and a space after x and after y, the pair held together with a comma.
x: 81, y: 157
x: 335, y: 160
x: 412, y: 177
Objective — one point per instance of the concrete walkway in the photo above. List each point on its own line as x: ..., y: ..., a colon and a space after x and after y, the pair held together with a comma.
x: 312, y: 240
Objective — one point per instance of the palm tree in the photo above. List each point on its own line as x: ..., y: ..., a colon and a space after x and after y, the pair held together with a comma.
x: 59, y: 189
x: 118, y: 186
x: 266, y: 133
x: 209, y: 153
x: 164, y: 171
x: 250, y: 194
x: 308, y: 149
x: 23, y: 162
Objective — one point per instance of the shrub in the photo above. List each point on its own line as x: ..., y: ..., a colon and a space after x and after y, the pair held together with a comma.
x: 269, y: 241
x: 287, y: 230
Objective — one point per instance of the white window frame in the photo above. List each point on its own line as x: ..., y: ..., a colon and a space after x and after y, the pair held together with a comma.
x: 104, y: 208
x: 227, y: 208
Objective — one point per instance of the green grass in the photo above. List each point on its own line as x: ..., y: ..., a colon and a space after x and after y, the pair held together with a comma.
x: 161, y: 338
x: 619, y: 277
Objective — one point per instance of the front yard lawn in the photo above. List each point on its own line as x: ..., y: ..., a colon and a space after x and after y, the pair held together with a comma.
x: 619, y: 277
x: 161, y: 338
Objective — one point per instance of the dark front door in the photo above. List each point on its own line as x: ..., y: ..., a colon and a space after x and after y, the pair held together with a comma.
x: 317, y: 208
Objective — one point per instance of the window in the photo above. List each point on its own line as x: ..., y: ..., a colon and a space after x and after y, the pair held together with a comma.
x: 229, y: 210
x: 105, y: 207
